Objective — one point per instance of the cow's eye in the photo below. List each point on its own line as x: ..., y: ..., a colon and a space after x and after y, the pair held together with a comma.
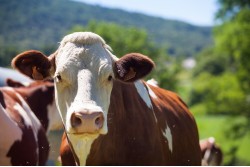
x: 58, y: 78
x: 110, y: 78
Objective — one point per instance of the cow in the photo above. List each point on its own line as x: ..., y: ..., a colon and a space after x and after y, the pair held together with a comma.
x: 211, y: 152
x: 23, y: 140
x: 39, y: 95
x: 111, y: 116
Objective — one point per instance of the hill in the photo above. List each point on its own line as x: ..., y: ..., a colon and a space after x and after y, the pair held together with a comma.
x: 33, y: 24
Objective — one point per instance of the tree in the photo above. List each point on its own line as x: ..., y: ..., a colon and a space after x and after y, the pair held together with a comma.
x: 232, y: 39
x: 230, y: 8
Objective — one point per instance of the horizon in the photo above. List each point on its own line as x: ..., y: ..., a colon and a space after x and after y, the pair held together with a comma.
x: 195, y: 12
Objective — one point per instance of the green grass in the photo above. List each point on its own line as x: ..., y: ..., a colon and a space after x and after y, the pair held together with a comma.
x: 216, y: 126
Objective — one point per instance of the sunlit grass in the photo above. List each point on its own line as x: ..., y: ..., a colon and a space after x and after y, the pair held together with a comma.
x: 217, y: 126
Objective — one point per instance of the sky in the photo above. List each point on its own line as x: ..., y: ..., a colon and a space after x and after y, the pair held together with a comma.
x: 197, y: 12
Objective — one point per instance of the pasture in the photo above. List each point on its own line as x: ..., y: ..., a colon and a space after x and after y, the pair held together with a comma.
x: 217, y: 126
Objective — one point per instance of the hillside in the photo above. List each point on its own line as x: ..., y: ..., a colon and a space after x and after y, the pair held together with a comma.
x: 33, y: 24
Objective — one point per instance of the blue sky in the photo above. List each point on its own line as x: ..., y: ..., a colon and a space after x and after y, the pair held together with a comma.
x: 197, y: 12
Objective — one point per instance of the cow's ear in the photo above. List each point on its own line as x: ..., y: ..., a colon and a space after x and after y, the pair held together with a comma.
x: 132, y: 66
x: 34, y: 64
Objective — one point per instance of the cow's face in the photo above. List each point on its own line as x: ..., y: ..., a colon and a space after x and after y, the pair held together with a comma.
x: 83, y: 69
x: 83, y: 82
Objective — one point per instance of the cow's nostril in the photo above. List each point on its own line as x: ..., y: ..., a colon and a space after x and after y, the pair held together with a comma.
x: 99, y: 121
x: 75, y: 120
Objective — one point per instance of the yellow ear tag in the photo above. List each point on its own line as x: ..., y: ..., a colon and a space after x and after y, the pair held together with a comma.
x: 131, y: 74
x: 35, y: 74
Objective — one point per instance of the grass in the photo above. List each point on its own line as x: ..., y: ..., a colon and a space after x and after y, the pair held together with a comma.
x: 216, y: 126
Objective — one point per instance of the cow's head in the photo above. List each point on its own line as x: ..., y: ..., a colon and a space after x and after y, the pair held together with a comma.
x: 83, y: 69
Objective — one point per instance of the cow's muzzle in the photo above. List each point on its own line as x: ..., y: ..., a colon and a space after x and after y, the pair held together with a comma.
x: 87, y: 121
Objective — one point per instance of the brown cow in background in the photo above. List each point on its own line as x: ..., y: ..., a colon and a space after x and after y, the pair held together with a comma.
x: 211, y: 152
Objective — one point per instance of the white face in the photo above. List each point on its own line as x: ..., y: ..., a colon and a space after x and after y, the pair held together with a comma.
x: 83, y: 84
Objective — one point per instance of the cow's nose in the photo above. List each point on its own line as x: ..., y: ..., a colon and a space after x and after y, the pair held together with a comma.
x: 87, y: 122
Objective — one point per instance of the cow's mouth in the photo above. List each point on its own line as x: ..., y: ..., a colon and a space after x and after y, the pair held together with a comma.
x: 84, y: 134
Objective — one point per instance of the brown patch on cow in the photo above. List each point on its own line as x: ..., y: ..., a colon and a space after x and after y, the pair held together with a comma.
x: 171, y: 111
x: 28, y: 144
x: 14, y: 84
x: 43, y: 145
x: 132, y: 67
x: 2, y: 100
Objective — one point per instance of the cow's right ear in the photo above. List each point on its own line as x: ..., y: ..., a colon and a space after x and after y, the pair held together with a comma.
x: 34, y: 64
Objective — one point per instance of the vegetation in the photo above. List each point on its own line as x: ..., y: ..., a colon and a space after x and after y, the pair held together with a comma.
x: 221, y: 80
x: 217, y: 89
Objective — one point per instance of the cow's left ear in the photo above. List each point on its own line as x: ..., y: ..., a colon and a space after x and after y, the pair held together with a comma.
x: 34, y: 64
x: 132, y: 66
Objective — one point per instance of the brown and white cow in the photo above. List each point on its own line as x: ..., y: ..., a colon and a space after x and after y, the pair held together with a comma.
x: 112, y: 117
x: 39, y: 95
x: 23, y: 140
x: 211, y: 152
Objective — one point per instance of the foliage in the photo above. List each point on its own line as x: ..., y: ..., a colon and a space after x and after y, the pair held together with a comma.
x: 235, y: 43
x: 235, y: 152
x: 219, y: 94
x: 209, y: 61
x: 6, y: 55
x: 229, y: 8
x: 220, y: 84
x: 125, y: 40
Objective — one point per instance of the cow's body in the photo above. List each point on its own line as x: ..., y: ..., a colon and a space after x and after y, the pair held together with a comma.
x: 112, y: 117
x: 23, y: 140
x: 211, y: 152
x: 36, y: 99
x: 39, y: 95
x: 140, y: 135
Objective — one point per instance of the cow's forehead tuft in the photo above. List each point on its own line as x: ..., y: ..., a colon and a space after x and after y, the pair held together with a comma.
x: 85, y: 38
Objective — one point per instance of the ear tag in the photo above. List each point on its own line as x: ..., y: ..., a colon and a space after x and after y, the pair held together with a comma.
x: 131, y: 74
x: 35, y: 74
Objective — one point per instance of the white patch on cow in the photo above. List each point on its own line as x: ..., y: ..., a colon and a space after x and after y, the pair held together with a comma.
x: 141, y: 89
x: 153, y: 82
x: 167, y: 134
x: 82, y: 145
x: 151, y: 93
x: 10, y: 133
x: 144, y: 94
x: 55, y: 121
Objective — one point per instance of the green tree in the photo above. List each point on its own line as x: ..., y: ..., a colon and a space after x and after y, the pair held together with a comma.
x: 228, y: 9
x: 232, y: 39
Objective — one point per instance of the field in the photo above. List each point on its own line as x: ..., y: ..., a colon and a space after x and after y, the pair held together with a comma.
x: 217, y: 126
